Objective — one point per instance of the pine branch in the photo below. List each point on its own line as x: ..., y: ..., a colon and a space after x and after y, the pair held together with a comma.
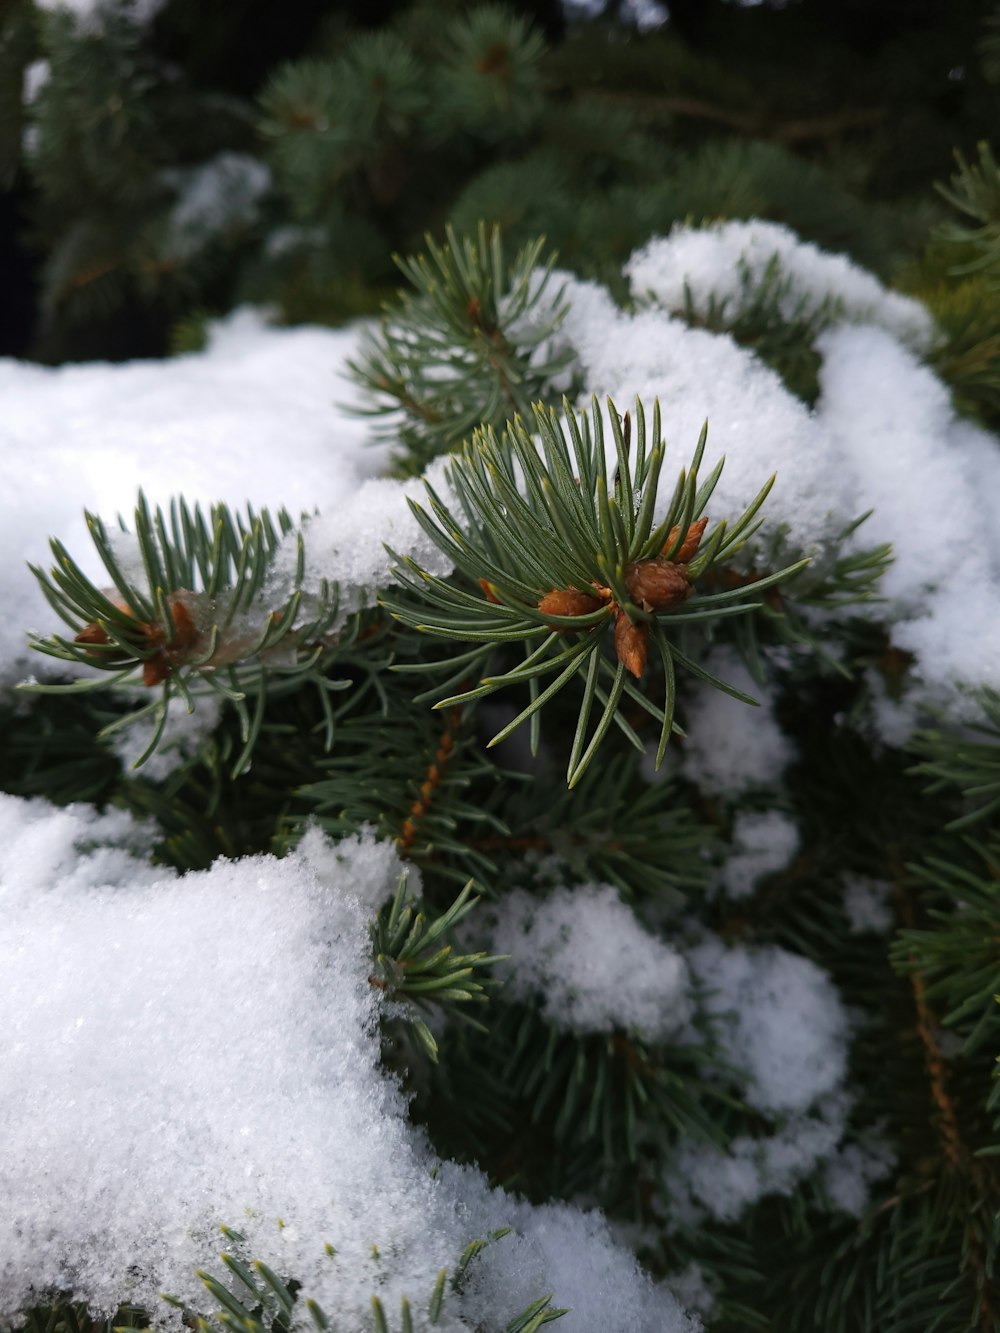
x: 975, y: 192
x: 255, y: 1299
x: 414, y: 965
x: 957, y: 759
x: 466, y: 349
x: 198, y: 618
x: 557, y: 554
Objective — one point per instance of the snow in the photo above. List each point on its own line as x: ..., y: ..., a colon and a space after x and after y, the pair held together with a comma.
x: 752, y: 419
x: 585, y: 956
x: 866, y: 902
x: 728, y: 262
x: 189, y: 1050
x: 205, y: 1051
x: 731, y: 746
x: 254, y: 418
x: 763, y: 841
x: 36, y: 76
x: 727, y: 1182
x: 784, y: 1024
x: 848, y: 1175
x: 883, y: 436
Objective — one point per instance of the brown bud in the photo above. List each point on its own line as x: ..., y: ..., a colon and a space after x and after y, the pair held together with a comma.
x: 657, y: 585
x: 185, y: 630
x: 691, y: 542
x: 568, y: 602
x: 155, y: 670
x: 631, y: 644
x: 94, y: 633
x: 488, y: 592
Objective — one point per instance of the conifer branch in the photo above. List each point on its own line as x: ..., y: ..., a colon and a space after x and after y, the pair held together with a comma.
x: 466, y: 348
x: 414, y: 964
x: 189, y: 613
x: 560, y: 555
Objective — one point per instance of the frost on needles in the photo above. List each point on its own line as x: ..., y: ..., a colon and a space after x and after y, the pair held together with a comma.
x: 670, y: 1027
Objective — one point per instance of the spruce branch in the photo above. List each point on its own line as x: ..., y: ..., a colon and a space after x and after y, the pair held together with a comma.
x: 615, y: 828
x: 957, y: 759
x: 416, y: 777
x: 255, y: 1299
x: 415, y: 965
x: 551, y: 555
x: 975, y: 192
x: 490, y: 82
x: 192, y: 614
x: 464, y: 348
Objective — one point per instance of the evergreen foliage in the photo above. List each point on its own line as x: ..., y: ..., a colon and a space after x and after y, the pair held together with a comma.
x: 590, y: 596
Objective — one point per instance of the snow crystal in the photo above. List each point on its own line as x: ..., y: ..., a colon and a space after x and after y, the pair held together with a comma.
x: 781, y: 1020
x: 586, y: 955
x: 866, y: 902
x: 732, y: 746
x: 729, y: 260
x: 250, y: 419
x: 762, y: 843
x: 185, y: 1051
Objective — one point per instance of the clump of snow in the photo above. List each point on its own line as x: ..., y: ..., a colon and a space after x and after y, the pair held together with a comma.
x: 850, y: 1172
x: 185, y: 1051
x: 866, y: 902
x: 594, y: 967
x: 36, y: 76
x: 781, y: 1020
x: 729, y: 260
x: 215, y: 197
x: 931, y: 484
x: 762, y: 843
x: 348, y: 541
x: 884, y: 435
x: 732, y: 746
x: 727, y: 1181
x: 753, y: 420
x: 561, y: 1249
x: 253, y: 419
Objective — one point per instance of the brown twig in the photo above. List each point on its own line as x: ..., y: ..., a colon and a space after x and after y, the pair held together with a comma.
x: 431, y: 782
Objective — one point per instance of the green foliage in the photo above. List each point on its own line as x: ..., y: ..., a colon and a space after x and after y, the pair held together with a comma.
x: 185, y: 611
x: 957, y: 955
x: 465, y: 349
x: 418, y: 779
x: 568, y: 555
x: 256, y: 1300
x: 961, y: 760
x: 491, y: 84
x: 975, y: 192
x: 414, y: 965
